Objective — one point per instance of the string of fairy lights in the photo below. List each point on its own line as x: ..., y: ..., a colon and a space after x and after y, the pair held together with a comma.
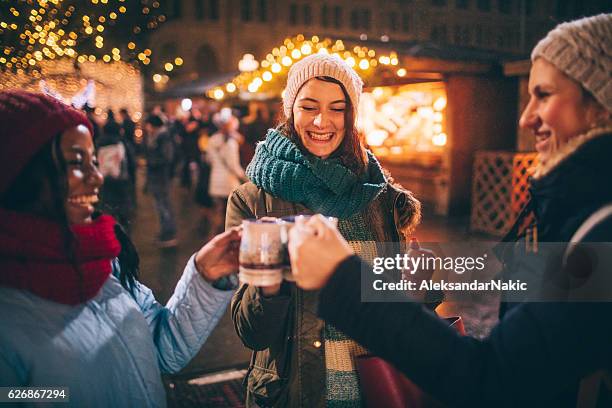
x: 273, y: 69
x: 33, y: 31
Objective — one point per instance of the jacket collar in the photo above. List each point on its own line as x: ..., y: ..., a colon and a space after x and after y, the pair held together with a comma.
x: 568, y: 150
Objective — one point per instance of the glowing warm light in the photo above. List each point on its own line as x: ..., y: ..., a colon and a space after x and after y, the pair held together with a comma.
x: 440, y: 103
x: 186, y: 104
x: 394, y: 61
x: 377, y: 92
x: 252, y: 87
x: 401, y: 72
x: 157, y: 78
x: 276, y: 68
x: 377, y: 137
x: 168, y: 66
x: 218, y: 94
x: 438, y: 116
x: 131, y: 45
x: 257, y: 81
x: 306, y: 49
x: 231, y: 87
x: 350, y: 61
x: 106, y: 58
x: 178, y: 61
x: 286, y: 61
x: 295, y: 54
x: 364, y: 64
x: 437, y: 128
x: 267, y: 76
x: 323, y: 51
x: 439, y: 139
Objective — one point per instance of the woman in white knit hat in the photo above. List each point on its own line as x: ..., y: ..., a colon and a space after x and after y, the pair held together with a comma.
x: 541, y: 354
x: 314, y: 162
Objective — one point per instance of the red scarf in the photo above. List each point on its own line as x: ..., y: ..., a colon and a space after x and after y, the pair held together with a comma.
x: 34, y: 257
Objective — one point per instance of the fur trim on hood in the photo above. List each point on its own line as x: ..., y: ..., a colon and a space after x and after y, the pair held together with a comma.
x: 567, y: 150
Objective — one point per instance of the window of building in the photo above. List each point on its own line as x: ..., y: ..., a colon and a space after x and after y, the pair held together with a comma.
x: 307, y: 14
x: 293, y: 14
x: 262, y: 10
x: 214, y: 9
x: 405, y: 22
x: 174, y: 9
x: 393, y: 21
x: 246, y: 12
x: 355, y: 19
x: 324, y: 16
x: 438, y: 3
x: 484, y: 5
x: 505, y: 6
x: 199, y: 9
x: 337, y: 16
x: 206, y: 61
x: 438, y: 33
x: 462, y: 4
x: 366, y: 19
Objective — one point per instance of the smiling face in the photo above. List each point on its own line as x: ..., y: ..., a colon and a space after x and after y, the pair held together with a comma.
x: 319, y: 116
x: 83, y: 177
x: 558, y: 109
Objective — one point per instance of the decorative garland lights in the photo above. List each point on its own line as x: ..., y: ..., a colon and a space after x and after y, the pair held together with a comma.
x: 268, y: 80
x: 34, y: 31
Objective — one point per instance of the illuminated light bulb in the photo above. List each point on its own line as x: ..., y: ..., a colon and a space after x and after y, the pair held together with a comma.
x: 440, y: 103
x: 113, y: 15
x: 115, y: 51
x: 230, y: 87
x: 276, y: 67
x: 106, y: 58
x: 89, y: 30
x: 186, y: 104
x: 438, y: 117
x: 364, y: 64
x: 306, y: 49
x: 168, y: 66
x: 147, y: 61
x: 394, y: 61
x: 265, y: 64
x: 439, y: 139
x: 218, y: 94
x: 157, y: 78
x: 116, y: 57
x: 371, y: 53
x: 92, y: 58
x: 350, y: 61
x: 252, y: 87
x: 401, y: 72
x: 323, y: 51
x: 178, y: 61
x: 147, y: 52
x: 295, y: 54
x: 286, y: 61
x: 100, y: 28
x: 81, y: 59
x: 122, y: 9
x: 131, y: 45
x: 267, y: 76
x: 257, y: 81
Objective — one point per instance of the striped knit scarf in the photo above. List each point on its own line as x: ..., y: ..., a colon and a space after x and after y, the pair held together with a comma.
x: 340, y: 351
x: 323, y: 186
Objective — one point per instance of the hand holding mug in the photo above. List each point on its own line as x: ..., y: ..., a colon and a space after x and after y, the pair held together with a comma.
x: 316, y: 247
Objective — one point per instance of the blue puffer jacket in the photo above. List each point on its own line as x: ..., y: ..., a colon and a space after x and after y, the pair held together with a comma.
x: 110, y: 351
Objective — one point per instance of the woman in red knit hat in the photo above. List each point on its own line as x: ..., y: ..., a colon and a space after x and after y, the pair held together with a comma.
x: 73, y: 312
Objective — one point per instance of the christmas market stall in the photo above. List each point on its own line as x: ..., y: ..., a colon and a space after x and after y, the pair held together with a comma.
x: 424, y: 112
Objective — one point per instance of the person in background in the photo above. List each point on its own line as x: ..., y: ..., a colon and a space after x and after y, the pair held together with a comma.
x: 313, y: 162
x: 540, y: 354
x: 128, y: 127
x: 223, y: 155
x: 114, y: 158
x: 73, y: 311
x: 254, y: 127
x: 90, y: 111
x: 160, y: 156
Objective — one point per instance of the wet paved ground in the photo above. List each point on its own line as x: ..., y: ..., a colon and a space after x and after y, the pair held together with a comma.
x: 161, y: 269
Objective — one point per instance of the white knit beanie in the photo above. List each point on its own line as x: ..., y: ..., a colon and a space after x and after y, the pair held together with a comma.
x: 319, y: 65
x: 582, y: 49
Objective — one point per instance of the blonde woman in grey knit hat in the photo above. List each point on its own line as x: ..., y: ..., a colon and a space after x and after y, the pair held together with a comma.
x: 541, y: 354
x: 314, y: 162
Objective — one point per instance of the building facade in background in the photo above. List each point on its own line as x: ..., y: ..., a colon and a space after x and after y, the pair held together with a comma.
x: 211, y: 36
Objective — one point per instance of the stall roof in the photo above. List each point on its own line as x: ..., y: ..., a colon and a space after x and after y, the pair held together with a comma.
x: 198, y: 87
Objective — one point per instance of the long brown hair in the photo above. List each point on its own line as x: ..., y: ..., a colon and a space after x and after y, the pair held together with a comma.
x: 351, y: 151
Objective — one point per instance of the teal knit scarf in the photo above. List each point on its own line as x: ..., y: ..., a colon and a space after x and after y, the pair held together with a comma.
x: 323, y: 186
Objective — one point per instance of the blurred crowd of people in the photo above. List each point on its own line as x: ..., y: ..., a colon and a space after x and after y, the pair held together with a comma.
x: 205, y: 149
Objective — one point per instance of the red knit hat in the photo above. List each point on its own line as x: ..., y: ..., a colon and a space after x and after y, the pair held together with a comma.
x: 27, y: 122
